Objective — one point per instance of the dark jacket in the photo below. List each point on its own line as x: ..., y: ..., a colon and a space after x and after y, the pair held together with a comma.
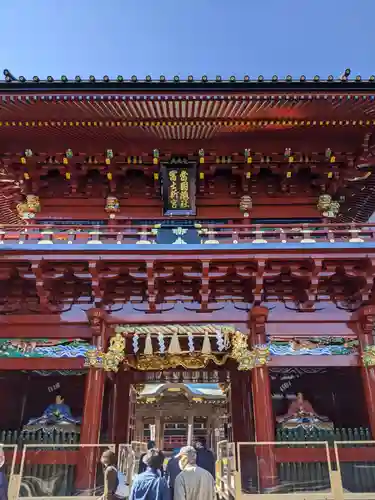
x: 206, y: 460
x: 149, y: 485
x: 173, y: 470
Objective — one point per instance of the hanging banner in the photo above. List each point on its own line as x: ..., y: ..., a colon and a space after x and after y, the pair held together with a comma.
x: 179, y: 188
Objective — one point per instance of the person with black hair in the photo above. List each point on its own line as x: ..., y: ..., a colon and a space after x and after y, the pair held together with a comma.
x: 151, y: 445
x: 151, y: 485
x: 56, y: 413
x: 205, y: 457
x: 172, y: 470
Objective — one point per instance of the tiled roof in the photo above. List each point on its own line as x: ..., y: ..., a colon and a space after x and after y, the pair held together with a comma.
x: 191, y: 83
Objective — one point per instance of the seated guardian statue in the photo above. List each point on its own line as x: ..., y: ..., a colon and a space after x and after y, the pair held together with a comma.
x: 56, y: 414
x: 302, y: 414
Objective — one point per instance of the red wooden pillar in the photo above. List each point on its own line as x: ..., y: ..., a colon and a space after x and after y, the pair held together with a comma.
x: 93, y: 407
x: 264, y: 426
x: 120, y: 409
x: 90, y: 430
x: 242, y: 430
x: 365, y: 322
x: 262, y: 404
x: 241, y: 407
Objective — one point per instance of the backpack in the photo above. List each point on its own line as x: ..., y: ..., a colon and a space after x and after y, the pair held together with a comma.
x: 122, y: 490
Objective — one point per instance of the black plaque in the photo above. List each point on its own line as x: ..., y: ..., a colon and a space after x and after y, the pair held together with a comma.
x: 179, y: 188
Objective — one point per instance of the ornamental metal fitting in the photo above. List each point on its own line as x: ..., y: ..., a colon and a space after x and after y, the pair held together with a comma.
x: 108, y: 361
x: 248, y: 359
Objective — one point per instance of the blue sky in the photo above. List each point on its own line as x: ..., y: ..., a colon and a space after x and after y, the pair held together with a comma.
x: 176, y: 37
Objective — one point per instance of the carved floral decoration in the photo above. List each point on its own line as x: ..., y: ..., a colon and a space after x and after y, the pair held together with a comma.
x: 162, y: 347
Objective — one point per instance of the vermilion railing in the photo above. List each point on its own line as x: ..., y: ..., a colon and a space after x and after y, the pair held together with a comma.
x: 210, y: 234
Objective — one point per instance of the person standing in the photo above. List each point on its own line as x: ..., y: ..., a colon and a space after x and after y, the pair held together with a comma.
x: 205, y: 457
x: 151, y: 445
x: 193, y: 482
x: 151, y: 485
x: 172, y: 471
x: 108, y: 460
x: 3, y: 477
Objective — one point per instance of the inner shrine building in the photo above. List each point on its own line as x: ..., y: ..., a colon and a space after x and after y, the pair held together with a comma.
x: 188, y: 258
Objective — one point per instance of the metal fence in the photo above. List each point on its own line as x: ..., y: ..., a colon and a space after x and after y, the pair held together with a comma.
x: 302, y: 470
x: 309, y: 470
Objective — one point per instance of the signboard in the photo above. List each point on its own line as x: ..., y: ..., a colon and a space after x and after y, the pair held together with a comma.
x: 179, y: 188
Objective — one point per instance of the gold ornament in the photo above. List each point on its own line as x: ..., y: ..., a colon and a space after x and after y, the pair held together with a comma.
x: 24, y: 211
x: 29, y: 207
x: 33, y: 202
x: 324, y: 202
x: 327, y: 206
x: 151, y: 361
x: 248, y: 359
x: 164, y: 362
x: 333, y: 210
x: 111, y: 360
x: 368, y: 356
x: 155, y: 154
x: 112, y: 205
